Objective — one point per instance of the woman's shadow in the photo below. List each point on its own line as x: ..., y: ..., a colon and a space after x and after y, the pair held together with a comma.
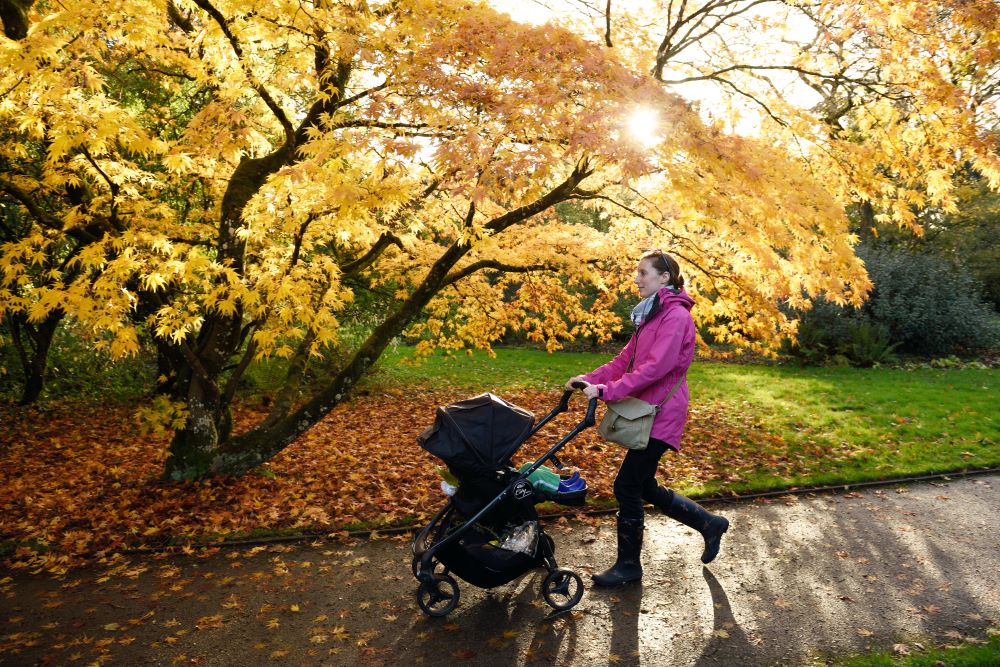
x: 625, y: 625
x: 728, y: 645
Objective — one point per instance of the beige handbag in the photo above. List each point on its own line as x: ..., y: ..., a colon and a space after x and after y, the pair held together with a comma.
x: 629, y: 422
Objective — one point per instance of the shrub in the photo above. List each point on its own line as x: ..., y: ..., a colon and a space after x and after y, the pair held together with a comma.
x: 927, y: 304
x: 921, y: 304
x: 822, y: 332
x: 869, y: 345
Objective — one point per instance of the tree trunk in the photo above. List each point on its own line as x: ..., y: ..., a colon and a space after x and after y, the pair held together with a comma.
x: 204, y: 446
x: 33, y: 350
x: 209, y: 424
x: 14, y: 14
x: 202, y: 363
x: 867, y: 232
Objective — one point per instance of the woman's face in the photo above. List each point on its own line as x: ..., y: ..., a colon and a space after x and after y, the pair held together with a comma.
x: 648, y: 279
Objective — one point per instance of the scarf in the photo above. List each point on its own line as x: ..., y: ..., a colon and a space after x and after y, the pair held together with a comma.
x: 647, y: 306
x: 643, y: 309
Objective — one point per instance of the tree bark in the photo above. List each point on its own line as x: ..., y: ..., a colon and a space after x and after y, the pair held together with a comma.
x: 14, y: 14
x: 33, y: 343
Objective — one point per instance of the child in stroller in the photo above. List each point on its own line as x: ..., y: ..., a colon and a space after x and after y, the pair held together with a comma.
x: 488, y: 533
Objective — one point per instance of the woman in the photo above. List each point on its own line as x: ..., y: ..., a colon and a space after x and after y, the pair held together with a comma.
x: 651, y: 364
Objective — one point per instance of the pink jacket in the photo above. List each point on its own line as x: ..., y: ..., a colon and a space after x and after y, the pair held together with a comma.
x: 664, y: 348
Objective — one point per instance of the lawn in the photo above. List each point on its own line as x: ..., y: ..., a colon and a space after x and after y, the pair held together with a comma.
x: 985, y: 654
x: 863, y: 424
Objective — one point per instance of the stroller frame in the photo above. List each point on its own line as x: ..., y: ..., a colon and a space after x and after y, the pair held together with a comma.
x: 438, y: 593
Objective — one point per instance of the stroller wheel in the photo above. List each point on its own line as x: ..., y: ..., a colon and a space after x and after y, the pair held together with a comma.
x: 440, y: 597
x: 562, y: 589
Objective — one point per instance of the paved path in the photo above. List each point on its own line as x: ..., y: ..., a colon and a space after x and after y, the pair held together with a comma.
x: 798, y: 579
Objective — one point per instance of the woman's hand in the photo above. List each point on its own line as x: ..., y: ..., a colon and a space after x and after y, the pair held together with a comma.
x: 591, y: 391
x: 575, y: 378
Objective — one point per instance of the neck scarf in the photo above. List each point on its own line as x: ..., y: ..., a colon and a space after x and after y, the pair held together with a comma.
x: 643, y: 309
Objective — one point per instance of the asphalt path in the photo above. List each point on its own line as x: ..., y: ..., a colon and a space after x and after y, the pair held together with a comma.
x: 800, y: 580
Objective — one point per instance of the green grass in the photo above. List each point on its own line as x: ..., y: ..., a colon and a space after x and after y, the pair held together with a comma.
x: 893, y: 422
x: 880, y: 422
x: 968, y: 655
x: 511, y: 369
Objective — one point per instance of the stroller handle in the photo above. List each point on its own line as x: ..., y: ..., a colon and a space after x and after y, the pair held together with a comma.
x: 591, y: 418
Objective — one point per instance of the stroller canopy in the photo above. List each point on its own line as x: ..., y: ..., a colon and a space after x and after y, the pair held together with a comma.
x: 477, y: 433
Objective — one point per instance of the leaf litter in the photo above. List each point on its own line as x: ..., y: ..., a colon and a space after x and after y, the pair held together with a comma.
x: 84, y: 486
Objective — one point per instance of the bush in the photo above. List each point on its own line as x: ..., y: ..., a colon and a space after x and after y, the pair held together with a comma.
x: 75, y: 369
x: 927, y: 304
x: 869, y: 345
x: 921, y: 304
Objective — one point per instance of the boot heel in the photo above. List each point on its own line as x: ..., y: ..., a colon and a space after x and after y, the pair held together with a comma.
x: 713, y: 539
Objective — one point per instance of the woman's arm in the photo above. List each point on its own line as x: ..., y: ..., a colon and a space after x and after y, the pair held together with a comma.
x: 614, y: 368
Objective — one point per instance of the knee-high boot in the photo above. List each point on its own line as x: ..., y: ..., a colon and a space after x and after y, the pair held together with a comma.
x: 627, y: 567
x: 711, y: 526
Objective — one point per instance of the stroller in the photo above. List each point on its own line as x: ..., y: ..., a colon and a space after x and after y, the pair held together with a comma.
x: 488, y: 533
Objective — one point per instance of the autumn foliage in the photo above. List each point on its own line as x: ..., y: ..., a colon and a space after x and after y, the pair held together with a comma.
x: 228, y: 183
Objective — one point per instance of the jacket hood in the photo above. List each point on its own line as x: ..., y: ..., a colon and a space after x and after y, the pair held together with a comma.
x: 668, y: 297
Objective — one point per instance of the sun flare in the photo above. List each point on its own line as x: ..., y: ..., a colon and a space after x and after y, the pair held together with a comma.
x: 643, y: 126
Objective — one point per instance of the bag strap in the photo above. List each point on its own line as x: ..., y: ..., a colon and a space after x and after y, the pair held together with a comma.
x: 677, y: 386
x: 635, y: 339
x: 673, y: 390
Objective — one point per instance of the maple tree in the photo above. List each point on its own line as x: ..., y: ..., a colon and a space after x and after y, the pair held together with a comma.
x: 235, y: 181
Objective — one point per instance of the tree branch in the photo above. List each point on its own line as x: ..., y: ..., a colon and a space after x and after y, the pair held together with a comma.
x: 241, y: 367
x: 607, y: 25
x: 496, y: 266
x: 112, y: 186
x: 764, y: 106
x: 265, y: 95
x: 366, y: 260
x: 563, y: 191
x: 791, y: 68
x: 41, y: 216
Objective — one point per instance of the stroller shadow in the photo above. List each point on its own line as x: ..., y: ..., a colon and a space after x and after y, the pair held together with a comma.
x: 506, y: 625
x: 554, y: 636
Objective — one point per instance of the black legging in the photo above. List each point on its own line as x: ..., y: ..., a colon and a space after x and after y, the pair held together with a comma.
x: 636, y: 481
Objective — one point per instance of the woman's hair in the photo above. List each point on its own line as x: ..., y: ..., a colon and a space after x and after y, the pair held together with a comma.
x: 664, y: 263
